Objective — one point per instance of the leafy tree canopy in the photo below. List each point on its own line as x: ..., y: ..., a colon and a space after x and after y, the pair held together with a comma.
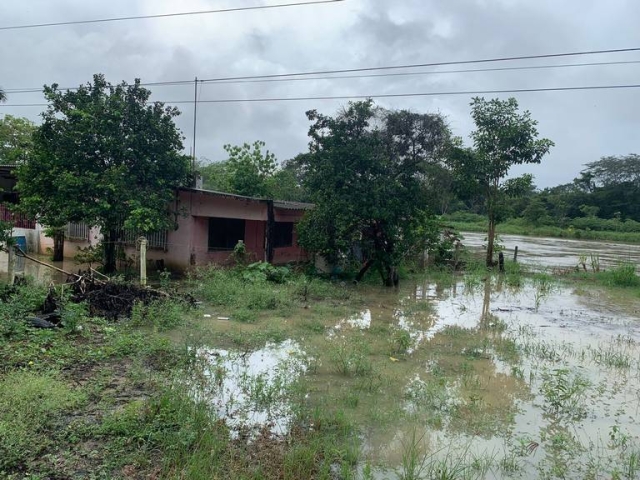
x: 250, y: 171
x: 16, y: 139
x: 366, y: 174
x: 107, y: 156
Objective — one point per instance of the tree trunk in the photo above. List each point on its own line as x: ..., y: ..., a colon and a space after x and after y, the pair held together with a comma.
x: 365, y: 268
x: 110, y: 251
x: 58, y: 245
x: 490, y: 241
x: 389, y: 275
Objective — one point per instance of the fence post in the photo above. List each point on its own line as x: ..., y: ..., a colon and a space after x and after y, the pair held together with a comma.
x: 515, y: 255
x: 143, y: 261
x: 11, y: 267
x: 501, y: 261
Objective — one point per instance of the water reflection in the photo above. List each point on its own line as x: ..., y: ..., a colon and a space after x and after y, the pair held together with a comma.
x: 250, y: 390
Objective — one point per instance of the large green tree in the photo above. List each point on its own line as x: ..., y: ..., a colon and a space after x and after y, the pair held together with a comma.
x: 107, y: 156
x: 252, y: 172
x: 16, y: 139
x: 365, y: 173
x: 250, y: 168
x: 503, y: 138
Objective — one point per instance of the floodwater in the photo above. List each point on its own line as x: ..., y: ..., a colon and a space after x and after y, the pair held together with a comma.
x: 250, y: 389
x: 559, y: 252
x: 41, y: 273
x: 493, y: 380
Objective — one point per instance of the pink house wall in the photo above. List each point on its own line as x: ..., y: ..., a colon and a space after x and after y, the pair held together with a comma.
x: 188, y: 244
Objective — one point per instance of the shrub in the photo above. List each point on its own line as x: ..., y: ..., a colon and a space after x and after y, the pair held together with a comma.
x: 624, y: 275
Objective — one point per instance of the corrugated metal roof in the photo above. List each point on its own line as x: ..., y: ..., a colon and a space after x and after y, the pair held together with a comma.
x: 284, y: 204
x: 292, y: 205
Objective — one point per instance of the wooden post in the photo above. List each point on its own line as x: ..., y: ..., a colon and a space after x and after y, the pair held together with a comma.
x: 143, y: 261
x: 270, y: 230
x: 11, y: 267
x: 501, y: 261
x: 515, y: 255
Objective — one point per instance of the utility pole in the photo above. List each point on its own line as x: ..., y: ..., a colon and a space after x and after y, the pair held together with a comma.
x: 195, y: 123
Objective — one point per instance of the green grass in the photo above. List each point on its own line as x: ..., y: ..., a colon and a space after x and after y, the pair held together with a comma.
x: 30, y: 405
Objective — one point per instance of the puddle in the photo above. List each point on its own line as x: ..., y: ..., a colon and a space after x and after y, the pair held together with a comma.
x: 361, y: 320
x: 251, y: 390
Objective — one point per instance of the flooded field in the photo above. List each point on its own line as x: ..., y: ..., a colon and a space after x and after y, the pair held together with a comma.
x: 460, y: 378
x: 559, y: 252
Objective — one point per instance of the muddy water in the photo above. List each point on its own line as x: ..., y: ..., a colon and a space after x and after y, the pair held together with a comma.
x: 39, y: 272
x: 558, y: 340
x: 250, y: 389
x: 492, y: 381
x: 559, y: 252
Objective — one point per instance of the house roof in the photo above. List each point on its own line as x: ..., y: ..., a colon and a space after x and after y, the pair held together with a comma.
x: 292, y: 205
x: 284, y: 204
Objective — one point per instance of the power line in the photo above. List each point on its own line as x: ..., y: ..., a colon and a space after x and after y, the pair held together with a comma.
x: 294, y: 76
x: 435, y: 72
x: 432, y: 64
x: 165, y: 15
x: 383, y: 95
x: 371, y: 75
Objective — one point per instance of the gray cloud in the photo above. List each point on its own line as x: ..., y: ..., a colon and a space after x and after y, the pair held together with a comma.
x: 356, y: 33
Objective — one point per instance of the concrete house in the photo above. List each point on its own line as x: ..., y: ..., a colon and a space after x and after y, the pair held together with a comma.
x: 208, y: 226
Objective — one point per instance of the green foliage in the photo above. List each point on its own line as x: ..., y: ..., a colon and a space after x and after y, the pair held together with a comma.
x: 216, y: 176
x: 503, y: 138
x: 564, y: 393
x: 350, y: 356
x: 106, y: 156
x: 261, y: 271
x: 30, y: 403
x: 16, y: 142
x: 239, y: 254
x: 250, y: 172
x: 92, y: 254
x: 623, y: 275
x: 249, y: 168
x: 230, y: 289
x: 160, y: 314
x: 73, y: 315
x: 364, y: 172
x: 192, y: 442
x: 16, y: 305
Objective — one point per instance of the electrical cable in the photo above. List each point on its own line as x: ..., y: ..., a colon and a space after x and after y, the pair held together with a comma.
x: 166, y: 15
x: 382, y: 95
x: 372, y: 75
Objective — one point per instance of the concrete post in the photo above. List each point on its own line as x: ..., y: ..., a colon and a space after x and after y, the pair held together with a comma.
x: 143, y: 261
x: 11, y: 268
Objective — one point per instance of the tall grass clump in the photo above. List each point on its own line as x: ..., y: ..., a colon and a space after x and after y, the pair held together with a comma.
x: 17, y: 303
x: 159, y: 314
x: 230, y: 288
x: 624, y: 275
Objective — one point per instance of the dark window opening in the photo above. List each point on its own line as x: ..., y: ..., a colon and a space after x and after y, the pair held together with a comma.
x: 283, y: 235
x: 225, y: 233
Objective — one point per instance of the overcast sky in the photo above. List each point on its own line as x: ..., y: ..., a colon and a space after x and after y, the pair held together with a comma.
x: 351, y: 34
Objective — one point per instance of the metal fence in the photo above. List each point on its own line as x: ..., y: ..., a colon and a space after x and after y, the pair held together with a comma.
x: 78, y: 231
x: 155, y: 240
x: 18, y: 220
